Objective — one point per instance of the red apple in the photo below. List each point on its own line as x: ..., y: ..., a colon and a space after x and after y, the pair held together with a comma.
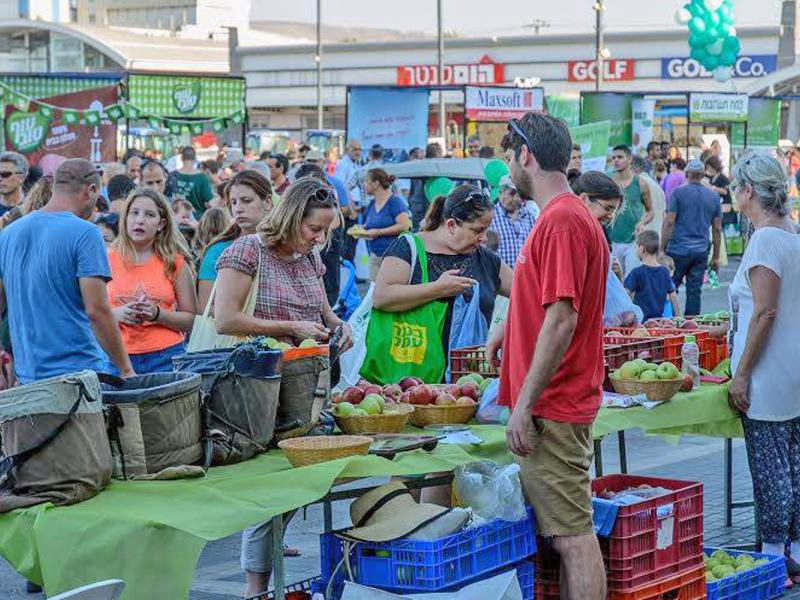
x: 652, y: 323
x: 469, y: 389
x: 353, y: 395
x: 465, y: 400
x: 452, y: 389
x: 689, y: 324
x: 687, y: 383
x: 405, y: 397
x: 336, y: 398
x: 406, y: 383
x: 445, y: 400
x: 419, y: 395
x: 363, y: 383
x: 392, y: 391
x: 373, y: 389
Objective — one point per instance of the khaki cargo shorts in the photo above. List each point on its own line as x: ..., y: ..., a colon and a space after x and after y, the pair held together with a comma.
x: 555, y: 477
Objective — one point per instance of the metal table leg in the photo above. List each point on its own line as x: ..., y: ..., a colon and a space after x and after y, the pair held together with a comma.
x: 623, y: 452
x: 278, y: 572
x: 728, y: 482
x: 598, y: 457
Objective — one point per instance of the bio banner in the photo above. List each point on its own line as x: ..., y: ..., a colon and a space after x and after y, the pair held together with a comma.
x: 616, y: 108
x: 395, y: 118
x: 187, y: 97
x: 763, y: 124
x: 593, y: 139
x: 566, y: 107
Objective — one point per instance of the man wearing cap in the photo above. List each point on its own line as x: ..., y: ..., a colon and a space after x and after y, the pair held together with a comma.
x: 512, y: 221
x: 691, y: 210
x: 57, y: 304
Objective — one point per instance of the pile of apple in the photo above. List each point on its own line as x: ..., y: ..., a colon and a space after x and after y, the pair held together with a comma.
x: 467, y: 390
x: 642, y: 370
x: 273, y: 344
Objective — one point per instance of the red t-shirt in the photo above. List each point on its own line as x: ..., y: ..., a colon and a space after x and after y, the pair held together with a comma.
x: 566, y: 256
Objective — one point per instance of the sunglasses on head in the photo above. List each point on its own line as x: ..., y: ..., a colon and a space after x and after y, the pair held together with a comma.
x: 7, y: 174
x: 514, y: 128
x: 323, y: 195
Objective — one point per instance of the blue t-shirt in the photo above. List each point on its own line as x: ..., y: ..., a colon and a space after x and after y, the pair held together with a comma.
x: 695, y: 207
x: 341, y: 191
x: 42, y: 256
x: 385, y: 217
x: 650, y: 287
x: 208, y: 266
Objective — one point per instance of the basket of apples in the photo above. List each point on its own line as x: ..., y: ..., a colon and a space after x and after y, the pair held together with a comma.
x: 370, y: 408
x: 435, y: 404
x: 658, y: 382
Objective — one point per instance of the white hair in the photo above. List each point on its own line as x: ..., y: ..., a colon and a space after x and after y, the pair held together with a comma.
x: 767, y: 178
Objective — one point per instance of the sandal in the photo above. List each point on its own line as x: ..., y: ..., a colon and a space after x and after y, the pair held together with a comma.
x: 291, y: 552
x: 792, y: 570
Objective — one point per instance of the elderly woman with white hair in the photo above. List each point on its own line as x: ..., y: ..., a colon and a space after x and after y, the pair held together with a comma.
x: 764, y: 339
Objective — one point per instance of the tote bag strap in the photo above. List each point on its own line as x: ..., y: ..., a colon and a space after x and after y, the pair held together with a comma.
x: 250, y: 302
x: 422, y: 257
x: 413, y: 243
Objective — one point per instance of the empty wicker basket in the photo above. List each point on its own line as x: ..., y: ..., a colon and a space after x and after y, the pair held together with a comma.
x: 304, y: 451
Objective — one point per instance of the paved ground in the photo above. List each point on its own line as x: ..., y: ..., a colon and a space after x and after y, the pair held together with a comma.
x: 218, y: 576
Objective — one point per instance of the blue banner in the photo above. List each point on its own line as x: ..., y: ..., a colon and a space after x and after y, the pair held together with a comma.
x: 755, y: 65
x: 397, y: 119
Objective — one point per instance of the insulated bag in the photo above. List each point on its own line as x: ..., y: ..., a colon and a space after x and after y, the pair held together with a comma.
x: 54, y: 442
x: 305, y: 391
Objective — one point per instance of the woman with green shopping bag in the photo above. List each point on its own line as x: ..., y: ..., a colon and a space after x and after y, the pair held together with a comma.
x: 421, y: 275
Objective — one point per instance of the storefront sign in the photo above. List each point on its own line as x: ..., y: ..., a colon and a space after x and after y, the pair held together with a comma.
x: 746, y: 66
x: 613, y: 70
x: 497, y: 104
x: 710, y: 108
x: 486, y: 72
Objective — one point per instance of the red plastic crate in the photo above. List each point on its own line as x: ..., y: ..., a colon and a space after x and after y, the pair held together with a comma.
x: 471, y: 359
x: 654, y: 538
x: 673, y: 340
x: 689, y: 585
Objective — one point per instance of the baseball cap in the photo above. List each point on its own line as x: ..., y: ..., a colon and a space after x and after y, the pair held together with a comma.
x: 695, y: 166
x: 314, y: 155
x: 506, y: 182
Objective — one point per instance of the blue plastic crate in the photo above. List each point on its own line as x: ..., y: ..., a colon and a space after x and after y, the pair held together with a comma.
x: 761, y: 583
x: 414, y: 566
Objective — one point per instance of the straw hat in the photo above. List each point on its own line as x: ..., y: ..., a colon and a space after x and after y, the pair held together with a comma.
x: 388, y: 513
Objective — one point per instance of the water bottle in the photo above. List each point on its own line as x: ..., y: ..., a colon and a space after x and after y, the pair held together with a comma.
x: 690, y: 355
x: 713, y: 280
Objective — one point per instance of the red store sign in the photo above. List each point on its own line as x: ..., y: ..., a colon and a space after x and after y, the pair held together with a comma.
x: 613, y: 70
x: 486, y: 72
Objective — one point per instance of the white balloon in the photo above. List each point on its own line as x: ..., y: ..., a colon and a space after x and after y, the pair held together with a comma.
x: 712, y: 5
x: 715, y: 49
x: 732, y: 31
x: 682, y: 16
x: 722, y: 74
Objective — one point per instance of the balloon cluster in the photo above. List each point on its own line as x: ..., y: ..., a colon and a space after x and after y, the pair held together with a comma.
x: 712, y: 36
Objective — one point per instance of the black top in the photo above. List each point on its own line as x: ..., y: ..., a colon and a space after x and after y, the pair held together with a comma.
x: 483, y: 265
x: 721, y: 181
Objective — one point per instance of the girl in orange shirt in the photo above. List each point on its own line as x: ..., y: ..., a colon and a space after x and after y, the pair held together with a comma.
x: 152, y: 291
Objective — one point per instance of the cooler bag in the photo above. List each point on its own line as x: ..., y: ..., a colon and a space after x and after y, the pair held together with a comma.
x: 241, y: 390
x: 154, y: 423
x: 54, y: 442
x: 305, y: 390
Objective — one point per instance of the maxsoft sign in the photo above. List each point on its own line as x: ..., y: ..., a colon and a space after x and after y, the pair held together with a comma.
x: 502, y: 103
x: 757, y: 65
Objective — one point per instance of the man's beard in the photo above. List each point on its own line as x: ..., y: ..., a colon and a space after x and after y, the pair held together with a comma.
x: 524, y: 184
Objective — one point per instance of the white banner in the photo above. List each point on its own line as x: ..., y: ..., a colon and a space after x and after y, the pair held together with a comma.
x: 498, y: 104
x: 642, y: 123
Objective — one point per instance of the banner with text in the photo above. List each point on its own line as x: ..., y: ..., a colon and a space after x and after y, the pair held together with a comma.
x: 757, y: 65
x: 497, y: 104
x: 617, y: 108
x: 763, y: 125
x: 642, y: 123
x: 394, y: 118
x: 593, y: 139
x: 566, y: 107
x: 716, y: 108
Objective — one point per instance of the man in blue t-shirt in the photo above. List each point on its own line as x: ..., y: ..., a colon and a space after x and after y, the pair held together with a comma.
x: 53, y: 274
x: 691, y: 210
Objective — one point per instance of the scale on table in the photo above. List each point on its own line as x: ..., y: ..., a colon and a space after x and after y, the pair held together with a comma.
x: 454, y: 434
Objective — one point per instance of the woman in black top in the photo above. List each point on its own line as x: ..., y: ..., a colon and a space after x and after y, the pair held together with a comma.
x: 717, y: 181
x: 454, y: 234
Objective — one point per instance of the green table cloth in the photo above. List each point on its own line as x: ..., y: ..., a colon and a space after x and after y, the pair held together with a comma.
x: 151, y: 533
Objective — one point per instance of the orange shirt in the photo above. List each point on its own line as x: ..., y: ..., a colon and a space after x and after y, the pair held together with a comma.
x: 145, y: 281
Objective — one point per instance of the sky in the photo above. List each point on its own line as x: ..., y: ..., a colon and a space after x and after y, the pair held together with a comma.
x: 499, y: 17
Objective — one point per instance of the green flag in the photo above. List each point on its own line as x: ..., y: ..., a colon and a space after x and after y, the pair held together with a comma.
x: 114, y: 112
x: 46, y: 111
x: 91, y: 117
x: 196, y: 128
x: 155, y: 122
x: 238, y: 117
x: 70, y: 117
x: 219, y: 124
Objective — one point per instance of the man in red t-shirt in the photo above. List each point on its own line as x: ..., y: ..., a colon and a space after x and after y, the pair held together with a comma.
x: 552, y: 367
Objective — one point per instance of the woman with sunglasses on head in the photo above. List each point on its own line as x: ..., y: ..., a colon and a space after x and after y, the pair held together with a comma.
x: 249, y: 194
x: 291, y: 304
x: 453, y: 236
x: 152, y: 286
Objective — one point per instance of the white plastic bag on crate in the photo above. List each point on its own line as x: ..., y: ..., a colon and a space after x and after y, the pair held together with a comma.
x: 490, y: 490
x: 502, y: 587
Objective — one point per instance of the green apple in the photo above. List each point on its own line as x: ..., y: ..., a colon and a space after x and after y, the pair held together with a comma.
x: 667, y: 370
x: 476, y: 377
x: 344, y: 409
x: 308, y: 343
x: 649, y: 367
x: 360, y: 412
x: 463, y: 379
x: 485, y: 384
x: 371, y: 404
x: 648, y: 375
x: 629, y: 370
x: 271, y: 343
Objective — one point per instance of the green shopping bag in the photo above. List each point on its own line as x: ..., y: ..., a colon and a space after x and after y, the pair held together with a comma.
x: 406, y: 344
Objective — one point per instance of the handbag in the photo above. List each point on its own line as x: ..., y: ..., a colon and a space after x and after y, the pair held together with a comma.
x: 408, y: 343
x: 204, y: 330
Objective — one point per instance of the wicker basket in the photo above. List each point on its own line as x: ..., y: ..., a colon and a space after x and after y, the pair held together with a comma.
x: 392, y: 422
x: 310, y: 450
x: 450, y: 414
x: 658, y: 390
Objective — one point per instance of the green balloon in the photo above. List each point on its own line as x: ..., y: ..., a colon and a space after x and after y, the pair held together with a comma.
x: 713, y: 34
x: 699, y: 54
x: 731, y: 44
x: 494, y: 194
x: 697, y: 25
x: 695, y: 42
x: 495, y: 170
x: 711, y: 62
x: 438, y: 186
x: 727, y: 58
x: 714, y: 18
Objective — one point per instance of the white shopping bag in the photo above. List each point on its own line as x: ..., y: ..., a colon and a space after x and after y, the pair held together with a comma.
x: 499, y: 314
x: 501, y: 587
x: 361, y: 259
x: 352, y: 360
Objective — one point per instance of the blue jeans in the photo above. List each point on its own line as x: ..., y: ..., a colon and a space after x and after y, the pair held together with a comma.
x: 692, y: 267
x: 159, y: 361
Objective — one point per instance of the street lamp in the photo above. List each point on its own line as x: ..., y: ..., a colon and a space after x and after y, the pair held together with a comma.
x: 440, y: 34
x: 601, y: 53
x: 318, y: 59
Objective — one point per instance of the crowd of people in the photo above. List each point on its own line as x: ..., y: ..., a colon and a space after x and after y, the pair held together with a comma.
x: 105, y: 267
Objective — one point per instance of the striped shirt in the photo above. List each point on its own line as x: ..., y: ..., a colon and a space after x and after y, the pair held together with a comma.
x: 512, y: 232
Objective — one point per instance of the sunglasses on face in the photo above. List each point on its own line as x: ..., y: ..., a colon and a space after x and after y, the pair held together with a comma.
x: 7, y: 174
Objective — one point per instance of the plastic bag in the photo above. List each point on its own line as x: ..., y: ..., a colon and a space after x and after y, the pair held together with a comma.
x: 619, y: 311
x: 468, y: 326
x: 352, y: 360
x: 490, y: 490
x: 488, y: 410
